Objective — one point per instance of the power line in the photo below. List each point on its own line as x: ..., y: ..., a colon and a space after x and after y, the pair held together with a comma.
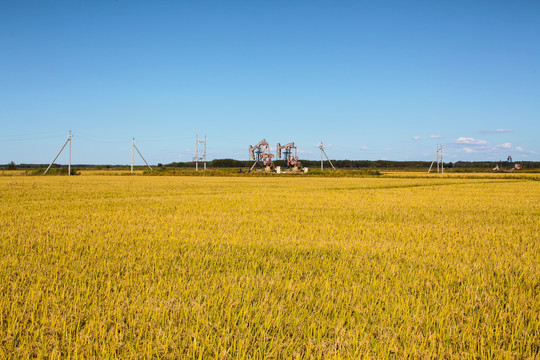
x: 98, y: 140
x: 32, y: 138
x: 153, y: 139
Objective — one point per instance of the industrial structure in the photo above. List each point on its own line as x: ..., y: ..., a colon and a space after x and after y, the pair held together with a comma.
x: 508, y: 166
x: 286, y: 160
x: 439, y: 159
x: 291, y: 155
x: 262, y: 156
x: 200, y: 154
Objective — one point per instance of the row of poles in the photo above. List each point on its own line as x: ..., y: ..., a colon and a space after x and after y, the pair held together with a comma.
x: 133, y: 148
x: 438, y: 156
x: 197, y: 156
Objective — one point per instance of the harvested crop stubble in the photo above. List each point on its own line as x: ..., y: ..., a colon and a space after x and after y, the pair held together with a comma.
x: 231, y: 267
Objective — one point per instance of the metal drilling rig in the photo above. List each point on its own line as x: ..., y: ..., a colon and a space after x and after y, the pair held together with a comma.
x: 261, y: 154
x: 291, y: 155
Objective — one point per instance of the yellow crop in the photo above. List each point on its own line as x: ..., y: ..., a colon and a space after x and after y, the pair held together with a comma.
x: 269, y: 267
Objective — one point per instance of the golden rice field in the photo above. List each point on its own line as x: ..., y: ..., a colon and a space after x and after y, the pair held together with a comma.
x: 269, y: 267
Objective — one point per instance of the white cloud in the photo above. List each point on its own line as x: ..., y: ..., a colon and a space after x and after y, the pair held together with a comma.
x: 416, y: 138
x: 435, y: 136
x: 503, y: 146
x: 533, y: 152
x: 363, y: 147
x: 470, y: 145
x: 498, y: 131
x: 471, y: 141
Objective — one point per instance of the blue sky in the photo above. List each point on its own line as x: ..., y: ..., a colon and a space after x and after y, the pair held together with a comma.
x: 371, y: 79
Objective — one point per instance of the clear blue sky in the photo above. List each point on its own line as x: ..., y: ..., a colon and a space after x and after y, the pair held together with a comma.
x: 371, y: 79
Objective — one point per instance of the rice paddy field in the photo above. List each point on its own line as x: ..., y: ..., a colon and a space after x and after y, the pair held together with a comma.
x: 178, y: 267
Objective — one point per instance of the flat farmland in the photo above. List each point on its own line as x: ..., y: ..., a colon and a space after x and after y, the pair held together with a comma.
x: 269, y: 267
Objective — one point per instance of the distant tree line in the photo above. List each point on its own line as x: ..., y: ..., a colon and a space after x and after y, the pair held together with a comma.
x: 342, y: 164
x: 361, y: 164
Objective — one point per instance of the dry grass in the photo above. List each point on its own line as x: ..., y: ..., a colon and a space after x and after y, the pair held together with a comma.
x: 185, y: 267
